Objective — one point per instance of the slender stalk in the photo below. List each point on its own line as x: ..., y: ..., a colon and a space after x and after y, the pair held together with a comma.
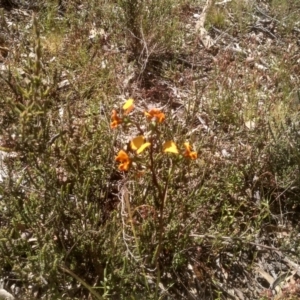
x: 161, y: 222
x: 87, y: 286
x: 161, y: 235
x: 127, y: 203
x: 154, y: 177
x: 160, y: 200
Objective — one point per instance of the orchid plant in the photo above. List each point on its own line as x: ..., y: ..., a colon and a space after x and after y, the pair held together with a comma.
x: 148, y: 148
x: 140, y: 143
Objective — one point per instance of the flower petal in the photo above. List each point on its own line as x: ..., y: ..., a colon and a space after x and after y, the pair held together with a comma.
x: 188, y: 151
x: 128, y: 106
x: 187, y: 146
x: 124, y: 160
x: 170, y: 146
x: 137, y: 142
x: 193, y: 155
x: 128, y: 103
x: 113, y: 125
x: 155, y: 113
x: 143, y: 147
x: 115, y: 119
x: 148, y: 115
x: 114, y: 114
x: 160, y: 117
x: 124, y: 166
x: 122, y: 156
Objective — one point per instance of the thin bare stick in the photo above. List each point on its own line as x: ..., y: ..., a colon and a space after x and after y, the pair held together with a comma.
x: 206, y: 40
x: 88, y: 287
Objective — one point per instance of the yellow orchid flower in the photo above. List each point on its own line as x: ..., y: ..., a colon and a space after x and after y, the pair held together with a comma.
x: 124, y: 160
x: 143, y: 147
x: 138, y: 144
x: 188, y: 151
x: 115, y: 119
x: 155, y: 113
x: 170, y: 146
x: 128, y: 106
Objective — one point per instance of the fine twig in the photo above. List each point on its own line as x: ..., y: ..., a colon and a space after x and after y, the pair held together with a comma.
x: 87, y: 286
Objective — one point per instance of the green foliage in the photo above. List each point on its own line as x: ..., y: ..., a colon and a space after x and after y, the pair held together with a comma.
x: 148, y: 28
x: 216, y: 18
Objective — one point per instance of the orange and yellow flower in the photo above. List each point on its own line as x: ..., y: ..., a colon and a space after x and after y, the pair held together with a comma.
x: 115, y: 119
x: 171, y: 147
x: 189, y: 153
x: 155, y: 113
x: 139, y: 144
x: 124, y: 160
x: 128, y: 106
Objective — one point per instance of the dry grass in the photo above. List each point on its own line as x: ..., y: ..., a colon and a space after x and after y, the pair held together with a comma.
x: 74, y: 227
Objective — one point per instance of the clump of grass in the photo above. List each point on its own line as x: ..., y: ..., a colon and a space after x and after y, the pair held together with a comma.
x: 148, y: 29
x: 235, y: 12
x: 285, y: 15
x: 216, y: 17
